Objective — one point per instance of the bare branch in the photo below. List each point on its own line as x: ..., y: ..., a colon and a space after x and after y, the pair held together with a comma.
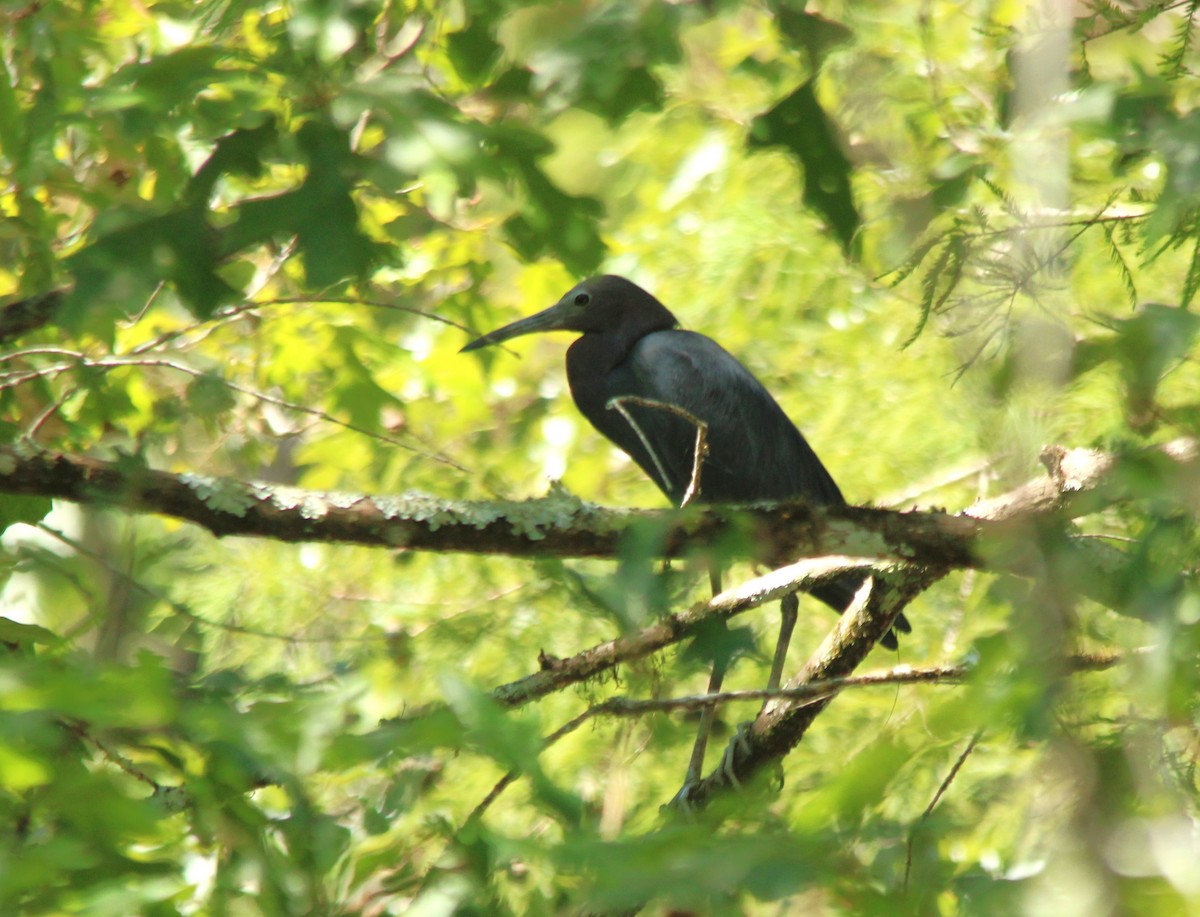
x: 557, y: 525
x: 809, y: 693
x: 561, y: 525
x: 673, y: 627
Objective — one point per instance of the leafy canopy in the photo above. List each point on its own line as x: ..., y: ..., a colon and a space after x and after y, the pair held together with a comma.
x: 247, y: 240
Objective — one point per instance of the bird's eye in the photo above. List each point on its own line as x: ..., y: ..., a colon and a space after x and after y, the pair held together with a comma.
x: 582, y: 299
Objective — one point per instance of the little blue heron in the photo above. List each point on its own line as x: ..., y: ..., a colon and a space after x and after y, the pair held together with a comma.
x: 647, y: 386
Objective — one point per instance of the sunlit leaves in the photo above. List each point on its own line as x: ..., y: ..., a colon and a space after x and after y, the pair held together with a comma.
x: 238, y: 153
x: 16, y: 634
x: 597, y: 58
x: 1175, y: 139
x: 320, y: 213
x: 128, y: 265
x: 165, y: 86
x: 1145, y: 348
x: 208, y: 396
x: 328, y: 31
x: 263, y: 208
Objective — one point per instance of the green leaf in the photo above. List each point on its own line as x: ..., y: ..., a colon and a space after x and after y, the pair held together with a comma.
x: 333, y: 246
x: 162, y: 84
x: 814, y: 33
x: 717, y: 644
x: 439, y: 729
x: 237, y: 153
x: 693, y: 867
x: 553, y: 222
x: 599, y: 63
x: 356, y: 393
x: 861, y: 782
x: 127, y: 265
x: 18, y: 634
x: 800, y: 126
x: 473, y: 50
x: 321, y: 213
x: 1175, y: 140
x: 1146, y: 348
x: 209, y: 396
x: 16, y: 508
x: 512, y: 740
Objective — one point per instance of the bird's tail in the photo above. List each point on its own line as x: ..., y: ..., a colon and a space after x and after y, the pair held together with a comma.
x: 840, y: 592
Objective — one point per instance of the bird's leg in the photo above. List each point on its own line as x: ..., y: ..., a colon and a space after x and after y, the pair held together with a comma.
x: 788, y: 608
x: 696, y: 763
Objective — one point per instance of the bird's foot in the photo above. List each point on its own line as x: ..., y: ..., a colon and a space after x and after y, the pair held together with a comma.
x: 739, y: 745
x: 681, y: 801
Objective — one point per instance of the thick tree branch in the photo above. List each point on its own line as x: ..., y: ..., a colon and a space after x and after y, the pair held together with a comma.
x: 558, y: 525
x: 991, y: 535
x: 782, y: 723
x: 1081, y: 481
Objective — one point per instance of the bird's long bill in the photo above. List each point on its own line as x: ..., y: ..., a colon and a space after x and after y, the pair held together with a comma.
x: 559, y: 317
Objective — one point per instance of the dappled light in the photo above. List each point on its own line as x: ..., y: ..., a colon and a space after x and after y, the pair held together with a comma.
x: 303, y: 610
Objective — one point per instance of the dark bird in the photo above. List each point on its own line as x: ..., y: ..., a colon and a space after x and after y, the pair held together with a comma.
x: 646, y: 385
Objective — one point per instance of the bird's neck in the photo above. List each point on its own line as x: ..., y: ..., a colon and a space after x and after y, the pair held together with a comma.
x: 589, y: 361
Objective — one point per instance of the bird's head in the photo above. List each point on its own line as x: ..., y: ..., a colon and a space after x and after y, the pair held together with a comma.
x: 598, y: 305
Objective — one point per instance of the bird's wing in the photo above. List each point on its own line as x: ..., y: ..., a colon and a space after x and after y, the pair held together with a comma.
x: 754, y: 451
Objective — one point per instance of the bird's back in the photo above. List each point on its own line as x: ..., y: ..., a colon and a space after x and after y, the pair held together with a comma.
x: 754, y: 452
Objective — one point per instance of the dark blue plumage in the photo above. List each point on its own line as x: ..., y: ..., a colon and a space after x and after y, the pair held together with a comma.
x: 754, y: 451
x: 632, y: 347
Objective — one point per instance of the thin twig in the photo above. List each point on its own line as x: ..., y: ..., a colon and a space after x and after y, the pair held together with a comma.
x: 700, y: 450
x: 232, y: 312
x: 53, y: 408
x: 41, y: 352
x: 941, y: 790
x: 175, y: 366
x: 80, y: 730
x: 810, y: 693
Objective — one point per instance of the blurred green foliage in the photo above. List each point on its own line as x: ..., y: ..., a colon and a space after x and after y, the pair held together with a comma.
x: 279, y: 222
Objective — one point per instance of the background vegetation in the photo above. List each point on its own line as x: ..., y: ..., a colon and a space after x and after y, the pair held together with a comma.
x: 247, y: 239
